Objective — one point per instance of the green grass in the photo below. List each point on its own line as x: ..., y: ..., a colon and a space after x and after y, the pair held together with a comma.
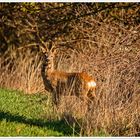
x: 23, y: 115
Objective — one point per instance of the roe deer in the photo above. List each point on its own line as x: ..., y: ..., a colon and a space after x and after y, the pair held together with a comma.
x: 63, y: 83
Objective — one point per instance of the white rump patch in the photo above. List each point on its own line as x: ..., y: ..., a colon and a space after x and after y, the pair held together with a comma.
x: 91, y: 84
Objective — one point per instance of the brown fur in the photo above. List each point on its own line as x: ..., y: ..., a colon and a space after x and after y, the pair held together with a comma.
x: 71, y: 84
x: 63, y: 83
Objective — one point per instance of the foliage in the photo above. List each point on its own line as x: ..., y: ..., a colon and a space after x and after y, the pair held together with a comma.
x: 33, y: 24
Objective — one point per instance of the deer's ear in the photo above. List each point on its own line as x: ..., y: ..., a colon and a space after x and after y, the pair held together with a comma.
x: 43, y: 49
x: 54, y: 51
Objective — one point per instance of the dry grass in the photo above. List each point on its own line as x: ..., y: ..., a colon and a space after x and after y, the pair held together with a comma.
x: 112, y: 56
x: 114, y: 60
x: 21, y: 72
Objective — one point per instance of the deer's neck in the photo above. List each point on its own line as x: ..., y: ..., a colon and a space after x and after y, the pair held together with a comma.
x: 47, y: 67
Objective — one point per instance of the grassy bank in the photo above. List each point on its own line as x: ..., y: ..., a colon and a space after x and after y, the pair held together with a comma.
x: 25, y: 115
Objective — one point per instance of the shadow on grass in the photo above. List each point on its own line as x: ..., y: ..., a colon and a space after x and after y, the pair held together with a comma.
x: 59, y: 126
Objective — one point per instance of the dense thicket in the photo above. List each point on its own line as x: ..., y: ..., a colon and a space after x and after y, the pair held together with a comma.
x: 32, y: 24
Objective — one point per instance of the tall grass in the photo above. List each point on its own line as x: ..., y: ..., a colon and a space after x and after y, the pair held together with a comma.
x: 113, y: 58
x: 112, y: 55
x: 21, y: 72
